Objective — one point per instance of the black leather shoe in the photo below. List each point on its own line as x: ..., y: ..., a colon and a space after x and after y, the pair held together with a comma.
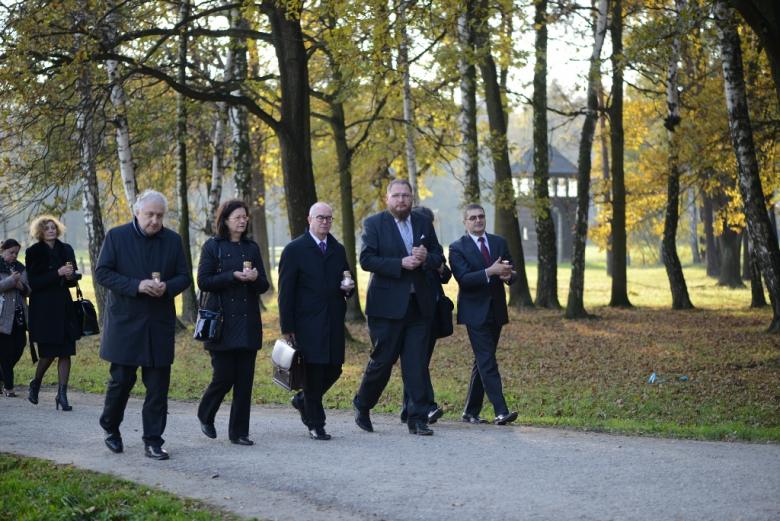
x: 157, y: 453
x: 242, y: 440
x: 114, y: 442
x: 434, y: 415
x: 472, y: 418
x: 363, y: 420
x: 503, y: 419
x: 404, y: 416
x: 298, y: 405
x: 208, y: 429
x: 318, y: 433
x: 419, y: 428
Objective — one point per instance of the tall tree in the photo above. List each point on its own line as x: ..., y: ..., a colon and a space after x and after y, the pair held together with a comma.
x: 763, y: 16
x: 711, y: 248
x: 119, y: 102
x: 762, y: 236
x: 694, y: 226
x: 469, y: 152
x: 575, y: 306
x: 506, y: 206
x: 189, y: 304
x: 217, y: 165
x: 619, y: 297
x: 680, y: 298
x: 547, y: 266
x: 409, y: 125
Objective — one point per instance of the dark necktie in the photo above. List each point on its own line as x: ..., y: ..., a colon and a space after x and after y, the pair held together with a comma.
x: 323, y: 246
x: 485, y: 252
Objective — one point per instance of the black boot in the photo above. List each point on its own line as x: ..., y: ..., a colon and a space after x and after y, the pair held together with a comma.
x: 62, y: 398
x: 35, y: 386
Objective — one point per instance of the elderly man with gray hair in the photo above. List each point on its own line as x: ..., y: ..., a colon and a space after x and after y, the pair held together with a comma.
x: 143, y: 267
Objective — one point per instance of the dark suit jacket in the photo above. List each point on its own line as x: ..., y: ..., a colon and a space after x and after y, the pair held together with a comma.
x: 381, y: 253
x: 477, y: 296
x: 311, y: 302
x: 138, y: 329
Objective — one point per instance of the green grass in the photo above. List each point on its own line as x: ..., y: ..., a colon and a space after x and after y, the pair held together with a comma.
x: 33, y: 489
x: 589, y: 374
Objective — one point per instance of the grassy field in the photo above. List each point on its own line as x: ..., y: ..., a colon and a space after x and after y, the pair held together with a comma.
x: 718, y: 371
x: 33, y: 489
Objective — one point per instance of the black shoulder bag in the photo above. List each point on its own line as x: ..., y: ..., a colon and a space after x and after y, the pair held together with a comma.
x: 208, y: 326
x: 86, y: 316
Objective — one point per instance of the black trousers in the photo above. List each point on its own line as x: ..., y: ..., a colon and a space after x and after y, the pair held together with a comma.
x: 319, y: 379
x: 234, y: 369
x: 407, y: 338
x: 485, y: 378
x: 154, y: 414
x: 429, y: 384
x: 11, y: 349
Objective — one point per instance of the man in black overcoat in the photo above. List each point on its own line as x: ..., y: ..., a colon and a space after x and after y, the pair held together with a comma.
x: 482, y: 265
x: 312, y: 305
x: 143, y: 267
x: 398, y: 248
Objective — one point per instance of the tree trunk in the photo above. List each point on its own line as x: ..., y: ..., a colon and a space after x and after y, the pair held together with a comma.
x: 757, y: 299
x: 257, y: 207
x: 506, y: 207
x: 468, y: 108
x: 619, y: 296
x: 695, y: 255
x: 119, y: 102
x: 344, y: 155
x: 547, y: 265
x: 93, y: 217
x: 575, y: 306
x: 217, y: 168
x: 294, y: 130
x: 746, y: 265
x: 730, y: 242
x: 712, y: 250
x: 762, y: 236
x: 238, y: 115
x: 189, y: 303
x: 403, y: 66
x: 605, y: 166
x: 680, y: 297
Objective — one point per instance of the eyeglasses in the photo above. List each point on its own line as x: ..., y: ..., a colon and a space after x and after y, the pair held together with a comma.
x: 479, y: 217
x: 239, y: 218
x: 324, y: 218
x: 401, y: 196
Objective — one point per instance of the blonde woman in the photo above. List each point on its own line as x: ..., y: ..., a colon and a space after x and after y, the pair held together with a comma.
x: 51, y: 270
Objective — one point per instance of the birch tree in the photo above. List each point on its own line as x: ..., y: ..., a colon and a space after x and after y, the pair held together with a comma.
x: 762, y: 236
x: 469, y: 151
x: 575, y: 306
x: 680, y: 298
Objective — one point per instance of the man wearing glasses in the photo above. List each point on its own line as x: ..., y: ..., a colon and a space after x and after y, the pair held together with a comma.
x: 312, y: 303
x: 481, y: 264
x: 398, y: 248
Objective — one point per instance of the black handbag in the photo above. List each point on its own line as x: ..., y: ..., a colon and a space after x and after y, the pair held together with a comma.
x: 443, y: 318
x: 208, y: 326
x: 86, y: 316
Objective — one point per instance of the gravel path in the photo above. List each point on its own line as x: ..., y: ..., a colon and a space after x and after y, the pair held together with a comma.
x: 463, y: 472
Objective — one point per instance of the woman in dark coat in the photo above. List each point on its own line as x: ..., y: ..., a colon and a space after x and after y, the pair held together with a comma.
x: 51, y: 269
x: 14, y: 289
x: 231, y: 272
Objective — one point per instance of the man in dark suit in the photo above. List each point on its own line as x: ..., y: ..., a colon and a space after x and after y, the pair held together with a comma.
x: 482, y: 265
x: 312, y: 304
x: 143, y: 267
x: 398, y: 248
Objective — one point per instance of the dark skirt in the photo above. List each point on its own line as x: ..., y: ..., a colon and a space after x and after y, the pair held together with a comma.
x: 68, y: 348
